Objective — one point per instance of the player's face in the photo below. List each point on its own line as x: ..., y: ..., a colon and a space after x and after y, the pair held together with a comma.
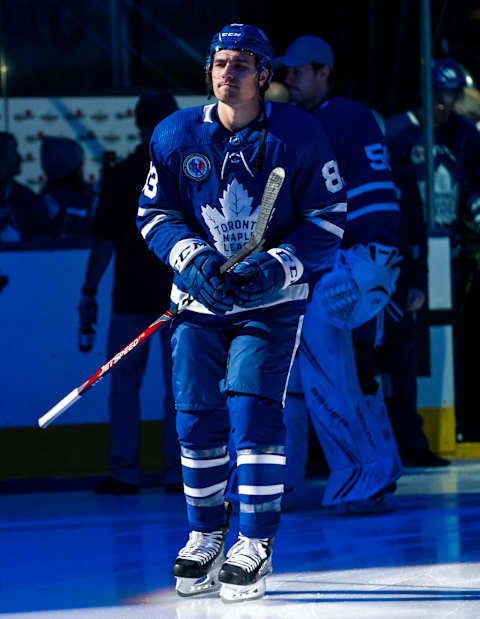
x: 443, y: 107
x: 235, y: 77
x: 306, y: 85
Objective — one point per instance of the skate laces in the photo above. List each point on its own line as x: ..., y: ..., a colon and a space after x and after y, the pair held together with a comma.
x: 202, y: 547
x: 247, y: 553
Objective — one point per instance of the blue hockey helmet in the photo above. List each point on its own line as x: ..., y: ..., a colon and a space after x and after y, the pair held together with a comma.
x: 447, y: 77
x: 247, y: 38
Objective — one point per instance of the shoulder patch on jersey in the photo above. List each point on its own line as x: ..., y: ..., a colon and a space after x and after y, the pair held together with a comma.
x: 197, y: 166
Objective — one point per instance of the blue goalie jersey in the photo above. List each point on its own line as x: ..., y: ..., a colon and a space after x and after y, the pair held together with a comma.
x: 360, y: 147
x: 207, y: 182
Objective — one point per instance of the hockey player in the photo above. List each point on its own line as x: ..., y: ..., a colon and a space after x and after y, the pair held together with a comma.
x: 344, y: 401
x: 233, y: 346
x: 456, y: 212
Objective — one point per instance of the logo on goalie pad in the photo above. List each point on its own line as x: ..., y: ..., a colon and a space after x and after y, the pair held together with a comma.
x: 359, y: 285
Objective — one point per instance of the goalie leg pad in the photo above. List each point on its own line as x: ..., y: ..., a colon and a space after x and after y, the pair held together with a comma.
x: 355, y: 435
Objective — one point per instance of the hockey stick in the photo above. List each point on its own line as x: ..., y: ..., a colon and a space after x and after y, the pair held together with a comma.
x: 254, y: 244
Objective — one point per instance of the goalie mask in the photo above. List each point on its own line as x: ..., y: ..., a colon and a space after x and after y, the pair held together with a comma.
x: 359, y: 285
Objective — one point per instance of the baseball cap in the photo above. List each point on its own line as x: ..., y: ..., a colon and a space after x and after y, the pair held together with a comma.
x: 305, y: 49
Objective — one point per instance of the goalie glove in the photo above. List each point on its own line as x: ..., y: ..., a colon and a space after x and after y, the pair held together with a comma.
x: 359, y: 285
x: 258, y: 279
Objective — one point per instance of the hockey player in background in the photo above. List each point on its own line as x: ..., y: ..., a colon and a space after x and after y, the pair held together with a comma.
x: 456, y: 214
x: 344, y: 400
x: 234, y: 344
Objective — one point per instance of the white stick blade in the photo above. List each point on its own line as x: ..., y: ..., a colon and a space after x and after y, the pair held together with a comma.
x: 59, y: 408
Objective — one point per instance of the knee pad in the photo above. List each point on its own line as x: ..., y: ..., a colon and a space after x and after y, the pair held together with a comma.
x: 203, y: 428
x: 255, y: 421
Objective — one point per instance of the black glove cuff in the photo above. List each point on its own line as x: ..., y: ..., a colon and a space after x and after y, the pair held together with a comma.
x: 91, y: 292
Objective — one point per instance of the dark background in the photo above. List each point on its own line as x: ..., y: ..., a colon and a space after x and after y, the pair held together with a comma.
x: 104, y: 47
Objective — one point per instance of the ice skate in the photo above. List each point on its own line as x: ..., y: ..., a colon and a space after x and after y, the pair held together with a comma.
x: 198, y: 563
x: 243, y: 574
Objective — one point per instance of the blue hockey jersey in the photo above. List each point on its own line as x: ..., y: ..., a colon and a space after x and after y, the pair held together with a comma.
x: 204, y: 182
x: 456, y: 163
x: 361, y: 151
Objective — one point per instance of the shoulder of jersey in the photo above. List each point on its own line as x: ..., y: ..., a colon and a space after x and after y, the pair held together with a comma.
x: 174, y: 128
x: 399, y: 122
x: 467, y: 124
x: 293, y: 122
x: 348, y: 109
x: 346, y: 103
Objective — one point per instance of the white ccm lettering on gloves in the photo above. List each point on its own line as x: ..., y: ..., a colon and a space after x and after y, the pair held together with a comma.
x: 184, y: 251
x: 292, y: 266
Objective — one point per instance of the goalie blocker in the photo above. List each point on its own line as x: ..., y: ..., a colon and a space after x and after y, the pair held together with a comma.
x: 360, y: 284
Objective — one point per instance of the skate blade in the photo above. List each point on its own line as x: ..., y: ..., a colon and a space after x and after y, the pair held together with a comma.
x: 188, y: 587
x: 231, y: 594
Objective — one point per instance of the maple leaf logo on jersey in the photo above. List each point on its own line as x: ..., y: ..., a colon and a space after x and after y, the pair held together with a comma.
x: 232, y: 227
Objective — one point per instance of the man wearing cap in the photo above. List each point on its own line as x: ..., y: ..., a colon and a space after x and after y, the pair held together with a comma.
x: 344, y: 401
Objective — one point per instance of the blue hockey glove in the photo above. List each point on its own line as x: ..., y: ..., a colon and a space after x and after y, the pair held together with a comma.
x: 201, y: 276
x: 258, y: 279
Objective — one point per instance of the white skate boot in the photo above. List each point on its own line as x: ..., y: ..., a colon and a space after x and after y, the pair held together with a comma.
x: 243, y: 574
x: 198, y: 563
